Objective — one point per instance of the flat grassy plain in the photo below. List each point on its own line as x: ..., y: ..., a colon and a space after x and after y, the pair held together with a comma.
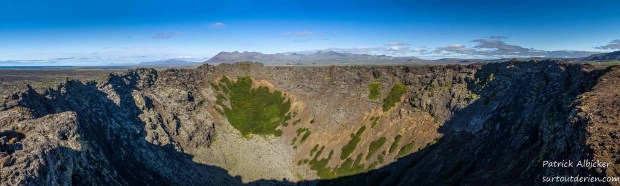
x: 601, y: 65
x: 42, y: 78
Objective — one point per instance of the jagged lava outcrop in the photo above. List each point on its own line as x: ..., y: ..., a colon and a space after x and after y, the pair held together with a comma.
x: 369, y: 125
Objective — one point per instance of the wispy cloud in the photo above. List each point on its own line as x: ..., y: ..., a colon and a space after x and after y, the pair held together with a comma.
x: 392, y: 48
x: 499, y: 47
x: 397, y: 47
x: 454, y: 48
x: 492, y: 47
x: 217, y: 25
x: 614, y: 44
x: 166, y: 35
x: 300, y: 34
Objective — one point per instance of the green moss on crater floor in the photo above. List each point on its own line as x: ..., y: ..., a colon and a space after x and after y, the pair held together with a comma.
x: 374, y: 146
x: 405, y: 149
x: 395, y: 143
x: 253, y: 110
x: 352, y: 144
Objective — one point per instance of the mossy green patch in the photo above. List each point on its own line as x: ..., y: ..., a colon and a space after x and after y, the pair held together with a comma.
x: 278, y: 132
x: 314, y: 149
x: 381, y: 158
x: 351, y: 167
x: 299, y: 177
x: 214, y: 86
x: 373, y: 165
x: 299, y: 131
x: 375, y: 121
x: 294, y: 140
x: 374, y: 146
x: 253, y: 110
x: 393, y: 97
x: 406, y: 149
x: 346, y: 168
x: 394, y: 144
x: 471, y: 96
x: 375, y: 90
x: 304, y: 137
x: 304, y: 133
x: 352, y: 144
x: 320, y: 165
x: 485, y: 81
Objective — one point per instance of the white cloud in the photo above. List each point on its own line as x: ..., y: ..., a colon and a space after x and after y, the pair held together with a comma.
x: 398, y: 47
x: 217, y: 25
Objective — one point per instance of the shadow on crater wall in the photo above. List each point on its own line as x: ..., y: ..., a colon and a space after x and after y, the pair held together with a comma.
x: 512, y: 133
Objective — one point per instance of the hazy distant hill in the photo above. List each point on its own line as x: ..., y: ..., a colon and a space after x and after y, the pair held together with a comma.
x: 612, y: 56
x: 169, y: 62
x: 320, y: 57
x: 10, y: 63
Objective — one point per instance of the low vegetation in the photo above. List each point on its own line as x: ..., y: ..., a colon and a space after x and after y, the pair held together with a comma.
x: 406, y: 149
x: 393, y: 97
x: 294, y: 140
x: 348, y: 167
x: 374, y: 146
x: 314, y: 149
x: 320, y: 165
x: 602, y: 65
x: 375, y: 90
x: 394, y: 144
x: 214, y: 86
x: 471, y: 96
x: 373, y: 165
x: 485, y: 81
x: 374, y: 120
x: 252, y: 110
x: 381, y: 158
x: 304, y: 137
x: 351, y: 167
x: 350, y: 147
x: 304, y: 133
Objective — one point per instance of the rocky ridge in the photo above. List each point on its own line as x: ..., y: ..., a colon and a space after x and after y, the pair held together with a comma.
x: 473, y: 124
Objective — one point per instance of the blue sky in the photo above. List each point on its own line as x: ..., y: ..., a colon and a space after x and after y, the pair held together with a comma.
x: 78, y: 32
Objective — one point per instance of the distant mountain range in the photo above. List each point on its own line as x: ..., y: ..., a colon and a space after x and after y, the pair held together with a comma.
x: 612, y: 56
x: 317, y: 58
x: 331, y: 57
x: 309, y: 58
